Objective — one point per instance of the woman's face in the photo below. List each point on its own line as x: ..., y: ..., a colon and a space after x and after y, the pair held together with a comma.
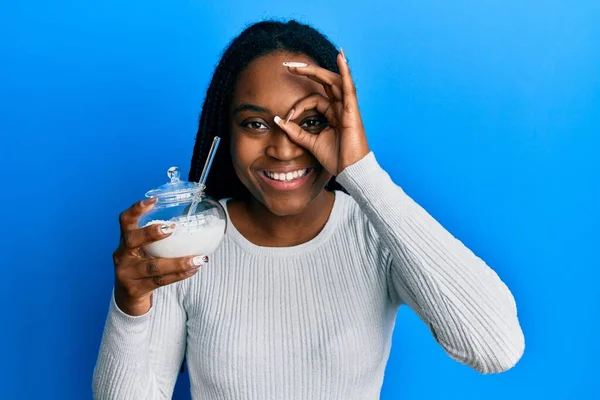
x: 280, y: 174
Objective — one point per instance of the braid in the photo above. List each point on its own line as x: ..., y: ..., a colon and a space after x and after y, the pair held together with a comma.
x: 259, y: 39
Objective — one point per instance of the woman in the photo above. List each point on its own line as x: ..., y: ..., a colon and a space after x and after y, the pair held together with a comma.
x: 300, y: 300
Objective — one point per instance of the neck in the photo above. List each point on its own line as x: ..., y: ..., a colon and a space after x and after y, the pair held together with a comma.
x: 260, y: 226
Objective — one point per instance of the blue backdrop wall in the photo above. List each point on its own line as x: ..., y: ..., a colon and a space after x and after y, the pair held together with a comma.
x: 486, y: 112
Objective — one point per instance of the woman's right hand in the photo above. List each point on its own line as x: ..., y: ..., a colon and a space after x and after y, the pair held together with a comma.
x: 137, y: 274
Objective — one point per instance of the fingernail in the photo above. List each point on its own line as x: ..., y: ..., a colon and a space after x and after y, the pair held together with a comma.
x: 343, y: 55
x: 295, y: 64
x: 290, y: 115
x: 149, y: 201
x: 192, y: 271
x: 199, y: 260
x: 277, y: 120
x: 165, y: 229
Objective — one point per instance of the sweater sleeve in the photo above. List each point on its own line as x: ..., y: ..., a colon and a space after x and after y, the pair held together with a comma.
x: 140, y: 357
x: 469, y: 309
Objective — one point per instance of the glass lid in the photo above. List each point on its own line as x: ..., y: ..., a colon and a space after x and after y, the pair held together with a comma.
x: 175, y: 189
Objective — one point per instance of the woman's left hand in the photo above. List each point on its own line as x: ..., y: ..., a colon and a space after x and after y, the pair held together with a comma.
x: 343, y: 142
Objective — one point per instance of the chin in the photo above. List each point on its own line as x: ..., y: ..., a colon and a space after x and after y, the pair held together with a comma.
x: 287, y: 204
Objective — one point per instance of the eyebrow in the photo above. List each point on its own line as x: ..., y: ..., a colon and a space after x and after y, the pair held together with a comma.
x: 249, y: 107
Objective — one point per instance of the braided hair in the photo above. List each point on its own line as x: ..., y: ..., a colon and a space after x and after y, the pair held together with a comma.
x: 257, y: 40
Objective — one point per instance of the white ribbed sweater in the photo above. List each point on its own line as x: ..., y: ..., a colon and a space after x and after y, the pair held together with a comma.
x: 314, y: 321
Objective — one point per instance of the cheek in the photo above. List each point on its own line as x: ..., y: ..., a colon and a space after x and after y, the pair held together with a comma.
x: 243, y: 153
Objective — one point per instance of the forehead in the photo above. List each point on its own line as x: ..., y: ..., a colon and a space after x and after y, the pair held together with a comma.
x: 266, y: 82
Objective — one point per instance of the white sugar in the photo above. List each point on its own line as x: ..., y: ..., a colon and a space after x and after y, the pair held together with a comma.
x: 201, y: 236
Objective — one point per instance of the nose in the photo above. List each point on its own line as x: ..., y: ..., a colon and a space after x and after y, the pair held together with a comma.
x: 281, y: 147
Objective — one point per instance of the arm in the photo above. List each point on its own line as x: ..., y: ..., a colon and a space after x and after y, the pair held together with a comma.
x: 470, y: 311
x: 140, y: 356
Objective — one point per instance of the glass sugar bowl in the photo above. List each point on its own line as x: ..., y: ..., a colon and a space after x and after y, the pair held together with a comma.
x: 199, y: 233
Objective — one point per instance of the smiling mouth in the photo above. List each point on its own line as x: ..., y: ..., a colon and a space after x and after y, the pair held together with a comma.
x: 287, y: 176
x: 286, y: 181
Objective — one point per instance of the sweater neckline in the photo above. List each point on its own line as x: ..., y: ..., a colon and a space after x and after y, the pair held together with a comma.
x: 313, y: 243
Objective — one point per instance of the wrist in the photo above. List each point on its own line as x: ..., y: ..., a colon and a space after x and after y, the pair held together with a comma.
x: 131, y: 306
x: 350, y: 159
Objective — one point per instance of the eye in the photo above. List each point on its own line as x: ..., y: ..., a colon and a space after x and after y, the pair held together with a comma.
x: 313, y: 124
x: 255, y: 126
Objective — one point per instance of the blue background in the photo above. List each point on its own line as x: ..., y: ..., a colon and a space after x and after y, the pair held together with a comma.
x: 486, y: 112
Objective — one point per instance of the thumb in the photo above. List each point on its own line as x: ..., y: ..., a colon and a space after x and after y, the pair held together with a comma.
x: 297, y: 134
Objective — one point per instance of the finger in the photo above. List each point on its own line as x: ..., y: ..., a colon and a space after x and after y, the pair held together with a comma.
x: 330, y: 80
x: 331, y: 96
x: 297, y: 134
x: 128, y: 219
x: 318, y: 102
x: 348, y: 88
x: 155, y: 282
x: 154, y: 267
x: 136, y: 238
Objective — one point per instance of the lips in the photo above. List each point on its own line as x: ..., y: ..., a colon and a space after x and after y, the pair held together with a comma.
x: 278, y: 179
x: 286, y: 176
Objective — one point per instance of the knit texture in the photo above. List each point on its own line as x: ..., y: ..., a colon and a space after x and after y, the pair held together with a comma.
x: 314, y: 321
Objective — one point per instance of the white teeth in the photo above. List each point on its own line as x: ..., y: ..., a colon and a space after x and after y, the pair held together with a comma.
x: 287, y: 176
